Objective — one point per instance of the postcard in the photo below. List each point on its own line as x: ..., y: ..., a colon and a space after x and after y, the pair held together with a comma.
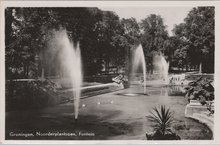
x: 109, y: 72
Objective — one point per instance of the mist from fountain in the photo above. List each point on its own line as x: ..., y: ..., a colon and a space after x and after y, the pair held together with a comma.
x: 200, y: 68
x: 165, y: 69
x: 137, y: 60
x: 162, y: 66
x: 71, y: 65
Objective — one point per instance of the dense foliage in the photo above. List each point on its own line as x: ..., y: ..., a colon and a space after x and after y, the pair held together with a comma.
x: 154, y: 38
x: 201, y: 90
x: 105, y: 39
x: 196, y: 38
x: 32, y: 94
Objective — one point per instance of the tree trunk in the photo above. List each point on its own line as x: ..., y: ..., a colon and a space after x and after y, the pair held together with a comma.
x: 24, y: 73
x: 27, y: 69
x: 187, y: 68
x: 42, y: 73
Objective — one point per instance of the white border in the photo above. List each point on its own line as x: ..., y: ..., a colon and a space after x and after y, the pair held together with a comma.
x: 4, y: 4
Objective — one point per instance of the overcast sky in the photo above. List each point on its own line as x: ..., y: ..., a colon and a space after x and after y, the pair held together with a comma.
x: 171, y: 15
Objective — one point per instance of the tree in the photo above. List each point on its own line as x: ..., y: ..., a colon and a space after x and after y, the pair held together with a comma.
x: 202, y: 38
x: 171, y: 45
x: 180, y: 57
x: 82, y: 25
x: 101, y: 35
x: 10, y: 51
x: 132, y: 36
x: 131, y: 30
x: 153, y: 38
x: 111, y: 40
x: 198, y: 33
x: 28, y: 28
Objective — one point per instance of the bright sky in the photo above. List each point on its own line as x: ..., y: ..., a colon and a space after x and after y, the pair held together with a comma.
x: 171, y: 15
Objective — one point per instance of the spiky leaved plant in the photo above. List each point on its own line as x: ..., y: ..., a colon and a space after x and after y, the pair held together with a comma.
x: 161, y: 119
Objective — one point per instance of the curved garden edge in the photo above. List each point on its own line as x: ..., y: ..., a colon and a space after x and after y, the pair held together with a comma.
x: 209, y: 125
x: 202, y: 117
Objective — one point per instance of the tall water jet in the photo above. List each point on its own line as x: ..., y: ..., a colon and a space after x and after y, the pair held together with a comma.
x: 162, y: 66
x: 137, y: 60
x: 71, y: 65
x: 200, y: 68
x: 165, y: 69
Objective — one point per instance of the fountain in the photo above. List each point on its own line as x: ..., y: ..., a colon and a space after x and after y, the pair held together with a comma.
x: 162, y: 66
x: 139, y: 59
x: 165, y: 69
x: 70, y: 61
x: 200, y: 68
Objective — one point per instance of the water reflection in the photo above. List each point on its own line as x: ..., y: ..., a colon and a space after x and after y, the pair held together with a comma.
x: 176, y: 90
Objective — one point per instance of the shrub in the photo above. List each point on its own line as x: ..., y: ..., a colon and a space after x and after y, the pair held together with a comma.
x: 201, y: 90
x: 32, y: 94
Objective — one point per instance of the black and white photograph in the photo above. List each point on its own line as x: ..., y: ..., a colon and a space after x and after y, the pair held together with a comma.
x: 109, y: 72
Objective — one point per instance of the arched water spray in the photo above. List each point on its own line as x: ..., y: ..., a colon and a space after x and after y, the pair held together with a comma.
x: 162, y: 66
x: 71, y: 65
x: 165, y: 69
x: 200, y: 68
x: 139, y: 59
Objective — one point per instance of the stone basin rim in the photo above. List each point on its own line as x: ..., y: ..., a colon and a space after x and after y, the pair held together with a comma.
x: 132, y: 94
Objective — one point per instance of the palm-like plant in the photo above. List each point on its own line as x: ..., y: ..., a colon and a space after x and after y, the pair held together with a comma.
x: 161, y: 119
